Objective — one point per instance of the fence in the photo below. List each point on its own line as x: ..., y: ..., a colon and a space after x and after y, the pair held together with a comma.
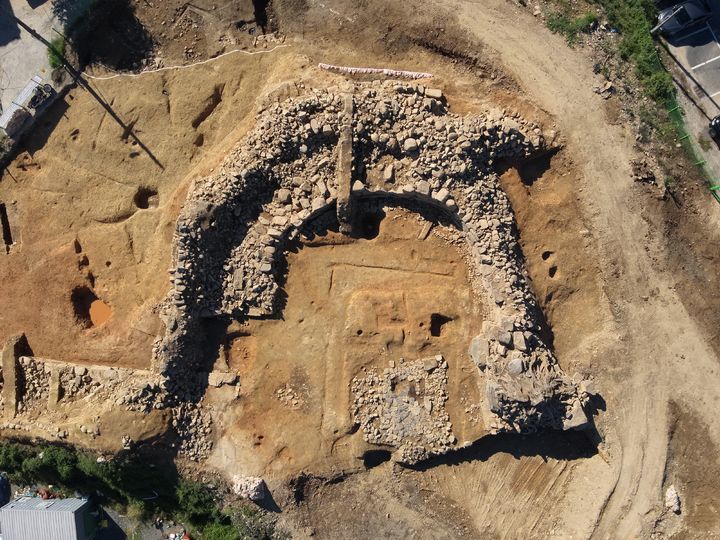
x: 675, y: 114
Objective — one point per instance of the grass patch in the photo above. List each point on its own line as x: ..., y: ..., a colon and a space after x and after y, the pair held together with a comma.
x: 704, y: 143
x: 634, y: 19
x: 56, y: 51
x: 570, y: 27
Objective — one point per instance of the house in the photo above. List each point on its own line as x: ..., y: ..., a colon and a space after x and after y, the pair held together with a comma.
x: 33, y: 518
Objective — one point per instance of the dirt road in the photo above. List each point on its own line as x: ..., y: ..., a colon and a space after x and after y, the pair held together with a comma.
x: 657, y: 337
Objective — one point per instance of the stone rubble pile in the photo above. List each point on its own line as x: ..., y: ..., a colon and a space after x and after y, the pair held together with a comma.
x: 34, y: 383
x: 76, y: 382
x: 234, y: 227
x: 404, y: 407
x: 193, y: 427
x: 249, y: 487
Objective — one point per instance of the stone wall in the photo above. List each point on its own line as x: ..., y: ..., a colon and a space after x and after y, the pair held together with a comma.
x: 233, y: 230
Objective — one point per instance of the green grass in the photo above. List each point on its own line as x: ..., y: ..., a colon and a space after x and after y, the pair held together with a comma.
x: 704, y: 143
x: 56, y: 52
x: 634, y: 19
x: 570, y: 27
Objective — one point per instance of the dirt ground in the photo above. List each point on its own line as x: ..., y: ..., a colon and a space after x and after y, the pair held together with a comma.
x: 352, y: 305
x: 627, y: 281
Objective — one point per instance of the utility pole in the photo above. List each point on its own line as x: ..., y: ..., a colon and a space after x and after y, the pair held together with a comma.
x: 77, y: 76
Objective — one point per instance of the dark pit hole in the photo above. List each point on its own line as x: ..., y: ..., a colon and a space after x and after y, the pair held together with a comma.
x: 552, y: 271
x: 6, y: 232
x: 533, y: 169
x: 108, y: 264
x: 437, y: 321
x: 368, y: 226
x: 77, y: 246
x: 146, y: 198
x: 359, y: 332
x: 373, y: 458
x: 82, y: 298
x: 546, y: 255
x: 261, y: 17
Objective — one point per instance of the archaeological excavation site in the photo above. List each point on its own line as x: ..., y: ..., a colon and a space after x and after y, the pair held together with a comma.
x: 358, y: 276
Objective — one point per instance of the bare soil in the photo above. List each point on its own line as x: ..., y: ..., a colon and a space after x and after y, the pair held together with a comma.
x: 352, y: 305
x: 627, y: 281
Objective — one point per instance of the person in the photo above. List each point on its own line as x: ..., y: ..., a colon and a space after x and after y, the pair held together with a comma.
x: 5, y: 491
x: 715, y: 127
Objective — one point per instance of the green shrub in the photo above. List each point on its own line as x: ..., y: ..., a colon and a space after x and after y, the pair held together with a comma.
x: 221, y: 531
x: 634, y: 19
x: 12, y: 457
x: 56, y: 51
x: 139, y: 487
x: 570, y: 27
x: 197, y: 503
x: 252, y: 524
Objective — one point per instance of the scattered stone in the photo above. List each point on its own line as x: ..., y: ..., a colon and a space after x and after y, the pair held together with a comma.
x: 410, y: 145
x: 518, y: 339
x: 283, y: 196
x: 434, y: 93
x: 249, y: 487
x: 423, y: 188
x: 479, y: 351
x: 220, y: 378
x: 672, y: 500
x: 515, y: 367
x: 389, y: 173
x: 505, y: 338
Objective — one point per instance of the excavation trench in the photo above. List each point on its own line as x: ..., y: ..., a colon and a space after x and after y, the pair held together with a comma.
x: 353, y: 305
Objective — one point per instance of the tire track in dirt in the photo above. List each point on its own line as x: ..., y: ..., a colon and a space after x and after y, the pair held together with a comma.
x: 653, y: 334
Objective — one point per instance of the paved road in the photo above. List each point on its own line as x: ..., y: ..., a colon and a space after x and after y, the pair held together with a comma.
x: 21, y: 56
x: 696, y: 53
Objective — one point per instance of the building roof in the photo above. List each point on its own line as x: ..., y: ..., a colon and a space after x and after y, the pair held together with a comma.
x: 20, y: 102
x: 44, y: 505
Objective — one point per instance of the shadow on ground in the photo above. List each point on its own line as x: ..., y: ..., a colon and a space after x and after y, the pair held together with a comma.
x: 106, y: 33
x: 9, y: 30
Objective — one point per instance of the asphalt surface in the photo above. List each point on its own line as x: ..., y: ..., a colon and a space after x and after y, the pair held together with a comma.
x: 697, y: 53
x: 22, y: 56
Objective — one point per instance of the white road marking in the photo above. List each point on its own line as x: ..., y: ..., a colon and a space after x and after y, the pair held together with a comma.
x: 706, y: 62
x: 715, y: 94
x: 691, y: 34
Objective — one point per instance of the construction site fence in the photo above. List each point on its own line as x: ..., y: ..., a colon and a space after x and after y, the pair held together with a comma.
x: 675, y: 114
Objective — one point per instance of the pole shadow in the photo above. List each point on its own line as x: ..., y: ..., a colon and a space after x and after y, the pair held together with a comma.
x: 9, y: 30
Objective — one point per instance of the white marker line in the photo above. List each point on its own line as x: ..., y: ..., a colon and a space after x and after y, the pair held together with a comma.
x: 691, y: 34
x: 715, y: 94
x: 218, y: 57
x: 713, y: 34
x: 705, y: 63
